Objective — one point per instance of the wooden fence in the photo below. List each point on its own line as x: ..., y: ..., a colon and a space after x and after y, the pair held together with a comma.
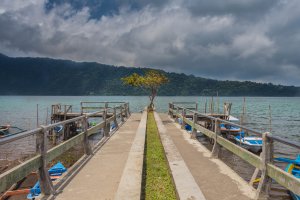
x: 264, y: 163
x: 40, y: 161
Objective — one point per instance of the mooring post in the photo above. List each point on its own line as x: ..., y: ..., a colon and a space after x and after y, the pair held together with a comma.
x: 44, y: 178
x: 176, y: 116
x: 264, y: 185
x: 121, y: 111
x: 183, y: 117
x: 115, y: 118
x: 216, y: 147
x: 81, y: 110
x: 87, y: 147
x: 169, y: 109
x: 106, y: 130
x: 126, y: 110
x: 196, y: 106
x: 195, y: 120
x: 128, y: 107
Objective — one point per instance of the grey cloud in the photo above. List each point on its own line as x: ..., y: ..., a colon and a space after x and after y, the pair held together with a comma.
x: 214, y: 39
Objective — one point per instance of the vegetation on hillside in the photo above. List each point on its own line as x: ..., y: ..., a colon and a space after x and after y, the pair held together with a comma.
x: 44, y: 76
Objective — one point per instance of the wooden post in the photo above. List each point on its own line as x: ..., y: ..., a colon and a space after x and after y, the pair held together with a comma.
x: 126, y: 110
x: 37, y: 115
x: 216, y: 147
x: 196, y: 107
x: 44, y: 178
x: 194, y: 132
x: 177, y: 112
x: 106, y: 130
x: 183, y: 117
x: 81, y: 110
x: 169, y: 109
x: 87, y: 147
x: 121, y: 111
x: 264, y: 185
x: 115, y: 118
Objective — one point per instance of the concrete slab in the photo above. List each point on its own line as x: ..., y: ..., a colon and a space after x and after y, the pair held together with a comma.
x: 100, y: 177
x: 131, y: 181
x: 216, y: 179
x: 186, y: 186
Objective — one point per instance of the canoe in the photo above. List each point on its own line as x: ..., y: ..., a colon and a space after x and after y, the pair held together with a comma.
x: 250, y: 143
x: 293, y: 168
x: 6, y: 131
x: 57, y: 170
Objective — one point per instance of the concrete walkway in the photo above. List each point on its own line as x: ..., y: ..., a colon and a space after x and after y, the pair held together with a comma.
x: 215, y: 179
x: 100, y: 177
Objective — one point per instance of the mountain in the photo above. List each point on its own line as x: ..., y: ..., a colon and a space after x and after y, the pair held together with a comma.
x: 45, y: 76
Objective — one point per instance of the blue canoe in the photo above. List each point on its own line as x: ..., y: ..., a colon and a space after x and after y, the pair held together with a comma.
x: 57, y: 170
x: 251, y: 143
x: 293, y: 168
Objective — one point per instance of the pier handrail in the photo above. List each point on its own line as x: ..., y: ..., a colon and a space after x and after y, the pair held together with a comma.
x: 263, y: 162
x: 39, y: 162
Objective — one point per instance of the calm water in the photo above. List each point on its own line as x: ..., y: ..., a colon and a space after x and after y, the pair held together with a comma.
x: 21, y: 111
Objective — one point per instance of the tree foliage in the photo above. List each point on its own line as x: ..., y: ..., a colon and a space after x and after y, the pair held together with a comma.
x: 151, y: 82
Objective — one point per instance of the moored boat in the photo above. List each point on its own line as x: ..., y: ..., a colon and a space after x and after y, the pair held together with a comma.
x: 55, y: 172
x: 7, y: 130
x: 293, y: 168
x: 251, y: 143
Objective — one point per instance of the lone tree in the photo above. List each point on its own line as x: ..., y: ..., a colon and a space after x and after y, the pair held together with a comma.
x: 151, y: 81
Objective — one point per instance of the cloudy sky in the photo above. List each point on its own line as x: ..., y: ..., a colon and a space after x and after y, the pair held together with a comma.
x: 256, y: 40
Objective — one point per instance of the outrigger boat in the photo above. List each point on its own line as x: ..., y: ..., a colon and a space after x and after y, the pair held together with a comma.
x: 293, y: 168
x: 250, y: 143
x: 7, y: 130
x: 55, y: 172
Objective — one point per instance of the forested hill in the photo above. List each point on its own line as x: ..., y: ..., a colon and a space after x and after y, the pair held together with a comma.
x: 44, y: 76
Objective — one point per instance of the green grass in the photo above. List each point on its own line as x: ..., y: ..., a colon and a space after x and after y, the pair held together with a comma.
x: 158, y: 183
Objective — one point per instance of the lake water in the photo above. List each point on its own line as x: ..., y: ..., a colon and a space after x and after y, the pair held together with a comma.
x: 21, y: 111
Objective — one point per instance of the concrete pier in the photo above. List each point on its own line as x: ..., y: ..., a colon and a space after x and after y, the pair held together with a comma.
x: 100, y: 177
x: 215, y: 179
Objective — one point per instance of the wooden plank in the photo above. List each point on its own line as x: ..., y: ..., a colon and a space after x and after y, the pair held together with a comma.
x: 63, y: 147
x: 205, y: 131
x: 93, y: 129
x: 19, y: 172
x: 111, y: 119
x: 283, y: 178
x: 246, y: 155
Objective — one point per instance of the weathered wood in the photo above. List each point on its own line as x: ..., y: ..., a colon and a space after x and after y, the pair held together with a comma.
x: 115, y: 118
x: 86, y: 144
x: 246, y: 155
x: 267, y: 157
x: 17, y: 173
x: 121, y: 110
x: 183, y: 118
x: 194, y: 130
x: 64, y: 146
x: 283, y: 178
x: 216, y: 147
x: 44, y: 178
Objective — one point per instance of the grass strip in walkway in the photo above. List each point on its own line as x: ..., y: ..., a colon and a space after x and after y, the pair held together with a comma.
x: 158, y: 182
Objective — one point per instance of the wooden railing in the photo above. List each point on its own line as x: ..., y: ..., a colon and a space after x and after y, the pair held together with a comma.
x: 264, y: 162
x: 40, y: 161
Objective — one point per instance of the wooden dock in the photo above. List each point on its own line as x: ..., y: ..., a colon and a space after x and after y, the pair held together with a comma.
x: 112, y: 169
